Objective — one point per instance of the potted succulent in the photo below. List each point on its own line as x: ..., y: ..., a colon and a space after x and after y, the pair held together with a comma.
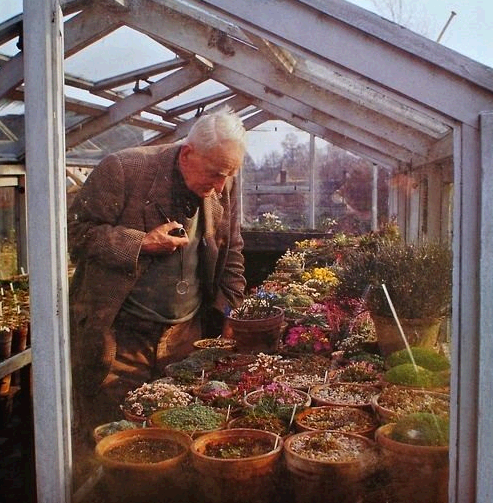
x: 418, y: 280
x: 256, y: 325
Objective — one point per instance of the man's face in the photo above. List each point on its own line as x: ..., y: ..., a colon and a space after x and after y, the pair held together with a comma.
x: 205, y: 172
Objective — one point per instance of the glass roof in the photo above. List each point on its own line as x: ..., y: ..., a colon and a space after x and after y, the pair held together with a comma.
x: 127, y: 72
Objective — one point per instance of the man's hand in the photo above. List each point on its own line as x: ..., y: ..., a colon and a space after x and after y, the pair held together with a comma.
x: 159, y: 240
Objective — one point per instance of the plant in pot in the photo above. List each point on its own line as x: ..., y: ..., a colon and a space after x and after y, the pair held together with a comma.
x: 256, y: 325
x: 258, y: 418
x: 345, y: 419
x: 291, y: 261
x: 237, y: 465
x: 306, y: 338
x: 140, y: 465
x: 415, y: 454
x: 418, y: 279
x: 140, y: 403
x: 329, y: 465
x: 278, y: 399
x: 195, y: 419
x: 395, y: 402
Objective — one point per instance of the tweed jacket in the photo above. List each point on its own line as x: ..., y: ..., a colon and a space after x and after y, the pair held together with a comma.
x: 107, y: 222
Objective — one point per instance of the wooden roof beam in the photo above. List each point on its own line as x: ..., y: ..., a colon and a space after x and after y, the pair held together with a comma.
x: 196, y: 104
x: 140, y: 74
x: 236, y: 103
x: 249, y: 61
x: 345, y: 35
x: 280, y: 57
x: 278, y: 105
x: 162, y: 90
x: 80, y: 31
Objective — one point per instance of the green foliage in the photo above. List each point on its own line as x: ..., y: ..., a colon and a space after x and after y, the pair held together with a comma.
x: 424, y: 357
x: 422, y: 428
x: 418, y: 277
x: 407, y: 375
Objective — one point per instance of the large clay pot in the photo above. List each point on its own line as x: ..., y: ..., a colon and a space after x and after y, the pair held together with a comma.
x: 239, y: 480
x: 318, y: 480
x: 166, y: 480
x: 422, y: 332
x: 255, y: 336
x: 417, y: 473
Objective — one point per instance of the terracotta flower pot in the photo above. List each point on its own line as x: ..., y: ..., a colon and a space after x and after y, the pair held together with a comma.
x: 396, y: 401
x: 5, y: 352
x: 417, y: 472
x: 419, y: 332
x: 329, y: 417
x: 258, y: 335
x: 237, y: 479
x: 127, y: 476
x: 329, y: 465
x: 344, y: 394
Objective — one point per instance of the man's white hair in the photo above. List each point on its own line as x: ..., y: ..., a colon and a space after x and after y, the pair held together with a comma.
x: 211, y: 129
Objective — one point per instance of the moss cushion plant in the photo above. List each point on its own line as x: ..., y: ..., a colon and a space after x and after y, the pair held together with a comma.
x: 424, y: 357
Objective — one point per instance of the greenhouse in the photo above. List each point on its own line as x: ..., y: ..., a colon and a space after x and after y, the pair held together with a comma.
x: 361, y: 210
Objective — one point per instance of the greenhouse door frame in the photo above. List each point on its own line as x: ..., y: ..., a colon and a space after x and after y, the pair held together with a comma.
x: 472, y: 344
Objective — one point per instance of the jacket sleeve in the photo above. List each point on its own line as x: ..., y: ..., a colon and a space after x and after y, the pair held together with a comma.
x: 94, y: 232
x: 232, y: 282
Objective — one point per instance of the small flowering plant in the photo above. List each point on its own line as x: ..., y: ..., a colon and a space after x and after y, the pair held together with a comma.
x: 262, y: 371
x: 268, y: 221
x: 291, y: 260
x: 362, y: 371
x: 154, y: 396
x: 259, y: 305
x: 308, y: 338
x: 278, y: 399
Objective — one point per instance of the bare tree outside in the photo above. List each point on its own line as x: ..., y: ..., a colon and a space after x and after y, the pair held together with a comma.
x: 410, y: 14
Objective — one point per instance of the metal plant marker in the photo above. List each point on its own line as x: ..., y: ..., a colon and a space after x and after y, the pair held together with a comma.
x: 404, y: 338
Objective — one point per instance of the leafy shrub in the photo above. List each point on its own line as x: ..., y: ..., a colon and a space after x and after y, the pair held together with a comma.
x: 418, y: 278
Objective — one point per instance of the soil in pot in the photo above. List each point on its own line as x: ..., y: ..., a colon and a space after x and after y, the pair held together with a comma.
x: 261, y: 421
x: 344, y: 419
x: 329, y: 466
x: 140, y: 465
x: 237, y: 465
x: 344, y: 394
x: 397, y: 401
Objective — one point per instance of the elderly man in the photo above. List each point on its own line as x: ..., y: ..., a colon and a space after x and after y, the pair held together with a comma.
x: 155, y: 237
